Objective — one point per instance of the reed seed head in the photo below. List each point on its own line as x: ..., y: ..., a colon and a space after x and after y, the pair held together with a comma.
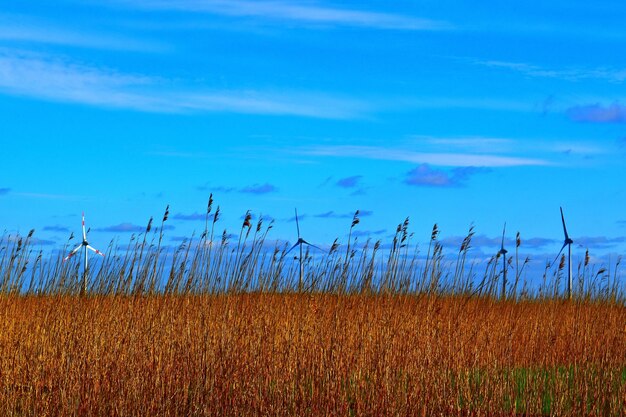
x: 246, y: 220
x: 210, y: 204
x: 435, y: 232
x: 355, y: 219
x: 334, y: 246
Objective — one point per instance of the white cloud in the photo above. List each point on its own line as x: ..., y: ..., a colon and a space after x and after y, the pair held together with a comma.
x: 496, y: 145
x: 296, y: 12
x: 50, y: 78
x: 40, y: 31
x: 569, y: 74
x: 434, y: 158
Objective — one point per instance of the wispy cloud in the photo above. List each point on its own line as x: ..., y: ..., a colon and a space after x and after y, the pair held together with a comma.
x: 349, y: 182
x: 426, y: 176
x: 503, y: 146
x: 41, y: 31
x: 368, y: 233
x: 259, y: 189
x: 248, y: 189
x: 262, y: 217
x: 41, y: 242
x: 122, y: 228
x: 301, y: 217
x: 296, y: 12
x: 349, y: 215
x: 476, y: 144
x: 56, y: 228
x: 57, y: 79
x: 405, y: 155
x: 216, y: 188
x: 189, y: 217
x: 330, y: 215
x: 599, y: 242
x: 5, y: 191
x: 597, y: 113
x: 569, y: 74
x: 538, y: 242
x: 179, y: 238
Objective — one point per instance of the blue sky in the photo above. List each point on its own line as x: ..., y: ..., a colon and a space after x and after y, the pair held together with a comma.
x: 446, y: 112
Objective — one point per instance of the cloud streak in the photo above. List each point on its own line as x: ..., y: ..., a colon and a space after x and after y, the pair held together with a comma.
x: 426, y: 176
x: 597, y: 113
x: 4, y: 191
x: 333, y: 215
x: 435, y: 158
x: 56, y: 79
x: 569, y: 74
x: 39, y: 31
x: 297, y: 12
x: 349, y: 182
x: 56, y: 228
x: 259, y: 189
x: 599, y: 242
x: 265, y: 188
x: 122, y: 228
x: 189, y: 217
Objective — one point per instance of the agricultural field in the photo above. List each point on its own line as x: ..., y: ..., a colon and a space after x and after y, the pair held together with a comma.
x: 310, y: 354
x: 233, y: 328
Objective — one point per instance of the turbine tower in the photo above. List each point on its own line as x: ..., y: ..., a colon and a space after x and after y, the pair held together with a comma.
x: 567, y: 242
x: 85, y: 245
x: 503, y: 252
x: 300, y: 242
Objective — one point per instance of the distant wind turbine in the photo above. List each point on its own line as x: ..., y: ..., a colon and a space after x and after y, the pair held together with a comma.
x: 300, y: 242
x: 86, y: 247
x: 503, y: 252
x: 567, y: 242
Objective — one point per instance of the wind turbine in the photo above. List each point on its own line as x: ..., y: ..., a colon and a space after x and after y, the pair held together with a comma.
x: 503, y: 252
x: 567, y: 242
x: 86, y: 247
x: 300, y: 242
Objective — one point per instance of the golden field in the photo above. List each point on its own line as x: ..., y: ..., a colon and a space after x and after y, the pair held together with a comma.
x: 310, y: 355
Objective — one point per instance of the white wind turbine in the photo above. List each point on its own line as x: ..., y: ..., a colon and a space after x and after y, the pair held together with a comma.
x: 86, y: 247
x: 567, y: 242
x: 300, y: 242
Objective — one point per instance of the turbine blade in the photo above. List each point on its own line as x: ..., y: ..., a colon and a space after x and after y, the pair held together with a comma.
x: 503, y: 232
x: 313, y: 246
x: 557, y: 256
x: 297, y: 223
x: 563, y: 221
x: 95, y: 250
x: 72, y: 253
x: 84, y: 233
x: 297, y: 243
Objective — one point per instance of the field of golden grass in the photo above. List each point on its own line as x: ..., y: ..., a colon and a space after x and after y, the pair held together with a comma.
x: 310, y: 355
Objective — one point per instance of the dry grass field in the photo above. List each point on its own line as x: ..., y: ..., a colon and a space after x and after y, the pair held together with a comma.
x: 214, y: 328
x: 310, y: 355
